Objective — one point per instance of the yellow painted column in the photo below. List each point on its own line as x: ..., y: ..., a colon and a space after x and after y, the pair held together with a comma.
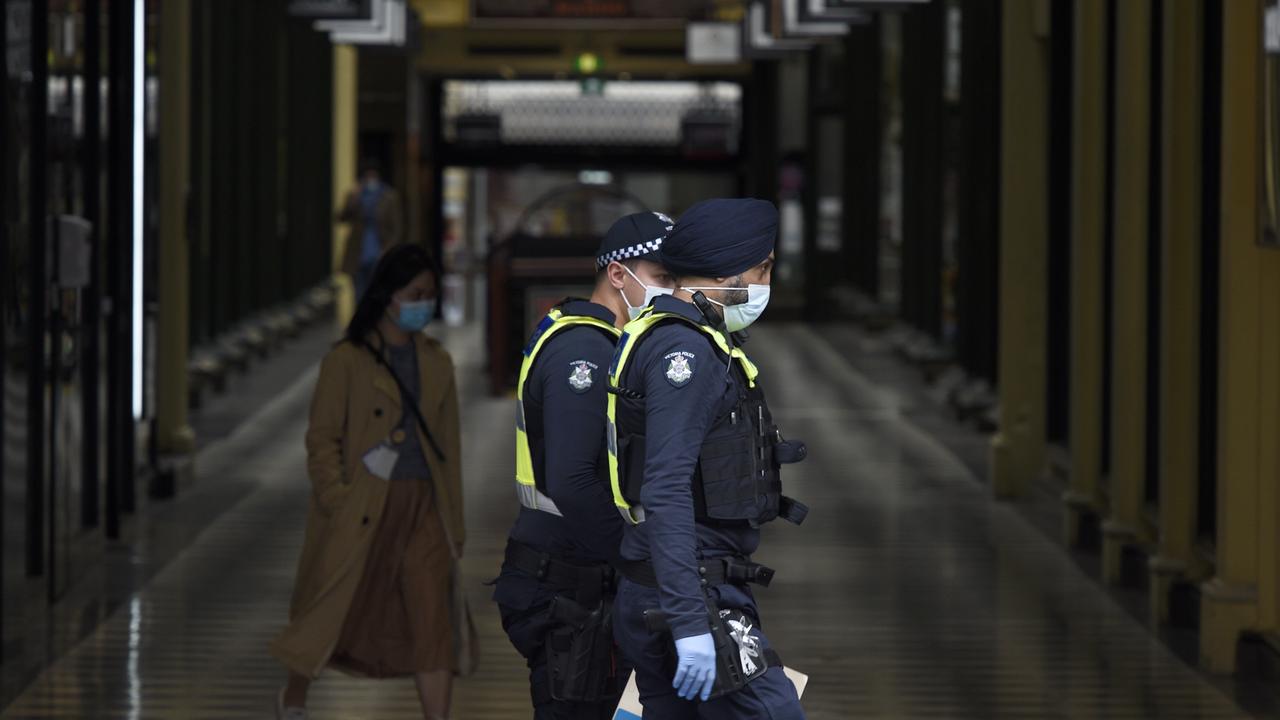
x: 1088, y: 186
x: 1269, y: 365
x: 1180, y: 303
x: 1124, y: 524
x: 1018, y: 449
x: 174, y: 434
x: 1229, y: 601
x: 345, y: 135
x: 1269, y: 441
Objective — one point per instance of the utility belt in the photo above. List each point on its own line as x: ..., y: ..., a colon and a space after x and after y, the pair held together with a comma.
x: 582, y: 664
x: 713, y: 571
x: 740, y: 657
x: 588, y: 583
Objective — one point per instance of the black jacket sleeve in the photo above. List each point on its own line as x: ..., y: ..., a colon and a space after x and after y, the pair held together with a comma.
x: 679, y: 413
x: 574, y: 420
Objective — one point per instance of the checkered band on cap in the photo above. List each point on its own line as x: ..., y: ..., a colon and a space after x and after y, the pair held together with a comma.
x: 627, y: 253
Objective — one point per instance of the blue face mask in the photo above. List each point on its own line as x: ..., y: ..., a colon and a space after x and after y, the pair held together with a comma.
x: 415, y: 316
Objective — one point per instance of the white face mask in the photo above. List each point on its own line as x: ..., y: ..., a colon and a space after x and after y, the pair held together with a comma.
x: 650, y: 292
x: 739, y: 316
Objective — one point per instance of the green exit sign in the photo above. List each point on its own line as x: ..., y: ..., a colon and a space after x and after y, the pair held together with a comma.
x: 587, y: 63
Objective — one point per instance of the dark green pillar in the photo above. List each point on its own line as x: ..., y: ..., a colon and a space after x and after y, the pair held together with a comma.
x: 862, y: 139
x: 978, y: 193
x: 923, y: 146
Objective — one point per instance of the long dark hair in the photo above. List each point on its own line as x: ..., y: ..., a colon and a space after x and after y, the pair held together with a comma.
x: 397, y: 268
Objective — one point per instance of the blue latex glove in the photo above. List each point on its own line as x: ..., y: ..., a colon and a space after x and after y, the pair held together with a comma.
x: 696, y: 666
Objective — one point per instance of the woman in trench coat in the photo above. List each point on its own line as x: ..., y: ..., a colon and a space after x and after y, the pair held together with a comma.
x: 373, y: 586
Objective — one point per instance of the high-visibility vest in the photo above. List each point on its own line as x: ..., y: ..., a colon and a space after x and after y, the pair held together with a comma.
x: 531, y: 492
x: 631, y: 336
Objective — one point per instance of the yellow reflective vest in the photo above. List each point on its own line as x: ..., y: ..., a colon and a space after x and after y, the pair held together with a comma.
x: 532, y: 494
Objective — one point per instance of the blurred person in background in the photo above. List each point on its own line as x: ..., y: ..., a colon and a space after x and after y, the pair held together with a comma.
x: 372, y: 213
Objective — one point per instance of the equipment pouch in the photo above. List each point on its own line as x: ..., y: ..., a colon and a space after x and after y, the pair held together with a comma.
x: 789, y: 452
x: 740, y: 658
x: 580, y: 654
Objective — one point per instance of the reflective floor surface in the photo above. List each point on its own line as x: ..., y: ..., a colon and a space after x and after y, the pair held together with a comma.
x: 908, y: 593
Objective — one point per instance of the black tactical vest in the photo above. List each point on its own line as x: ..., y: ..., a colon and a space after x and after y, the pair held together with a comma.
x: 736, y: 480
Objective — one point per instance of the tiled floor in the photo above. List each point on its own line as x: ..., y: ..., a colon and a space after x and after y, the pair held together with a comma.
x: 907, y: 593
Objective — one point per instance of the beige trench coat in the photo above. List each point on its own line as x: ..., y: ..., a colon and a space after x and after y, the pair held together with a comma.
x: 355, y: 407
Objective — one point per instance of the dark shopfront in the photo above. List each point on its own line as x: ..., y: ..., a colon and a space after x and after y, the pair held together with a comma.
x: 74, y: 361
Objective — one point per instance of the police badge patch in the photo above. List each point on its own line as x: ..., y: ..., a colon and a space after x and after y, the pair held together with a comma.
x: 679, y: 367
x: 580, y: 375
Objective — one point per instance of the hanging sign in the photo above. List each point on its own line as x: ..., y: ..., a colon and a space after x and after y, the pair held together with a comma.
x: 331, y: 9
x: 850, y: 11
x: 713, y: 43
x: 553, y: 13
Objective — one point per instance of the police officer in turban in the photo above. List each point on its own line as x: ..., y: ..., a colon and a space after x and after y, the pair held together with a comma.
x: 695, y: 469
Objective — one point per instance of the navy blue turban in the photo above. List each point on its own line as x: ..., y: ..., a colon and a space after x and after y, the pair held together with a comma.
x: 720, y: 238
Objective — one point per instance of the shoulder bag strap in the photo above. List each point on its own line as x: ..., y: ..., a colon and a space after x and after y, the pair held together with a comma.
x: 408, y: 399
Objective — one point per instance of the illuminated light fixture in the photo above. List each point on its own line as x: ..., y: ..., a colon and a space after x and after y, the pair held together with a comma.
x: 587, y: 63
x: 595, y: 177
x: 139, y: 125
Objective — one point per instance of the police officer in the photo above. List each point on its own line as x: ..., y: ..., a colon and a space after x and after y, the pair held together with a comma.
x: 557, y: 582
x: 694, y: 465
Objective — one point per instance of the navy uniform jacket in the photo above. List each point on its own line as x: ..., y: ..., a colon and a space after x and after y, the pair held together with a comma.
x: 566, y: 430
x: 677, y: 417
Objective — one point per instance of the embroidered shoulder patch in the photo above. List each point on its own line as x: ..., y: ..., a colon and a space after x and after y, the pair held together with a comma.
x: 679, y: 367
x: 581, y: 376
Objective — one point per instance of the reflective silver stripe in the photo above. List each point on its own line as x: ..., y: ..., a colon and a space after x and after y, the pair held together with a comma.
x: 633, y: 514
x: 520, y: 415
x: 534, y: 499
